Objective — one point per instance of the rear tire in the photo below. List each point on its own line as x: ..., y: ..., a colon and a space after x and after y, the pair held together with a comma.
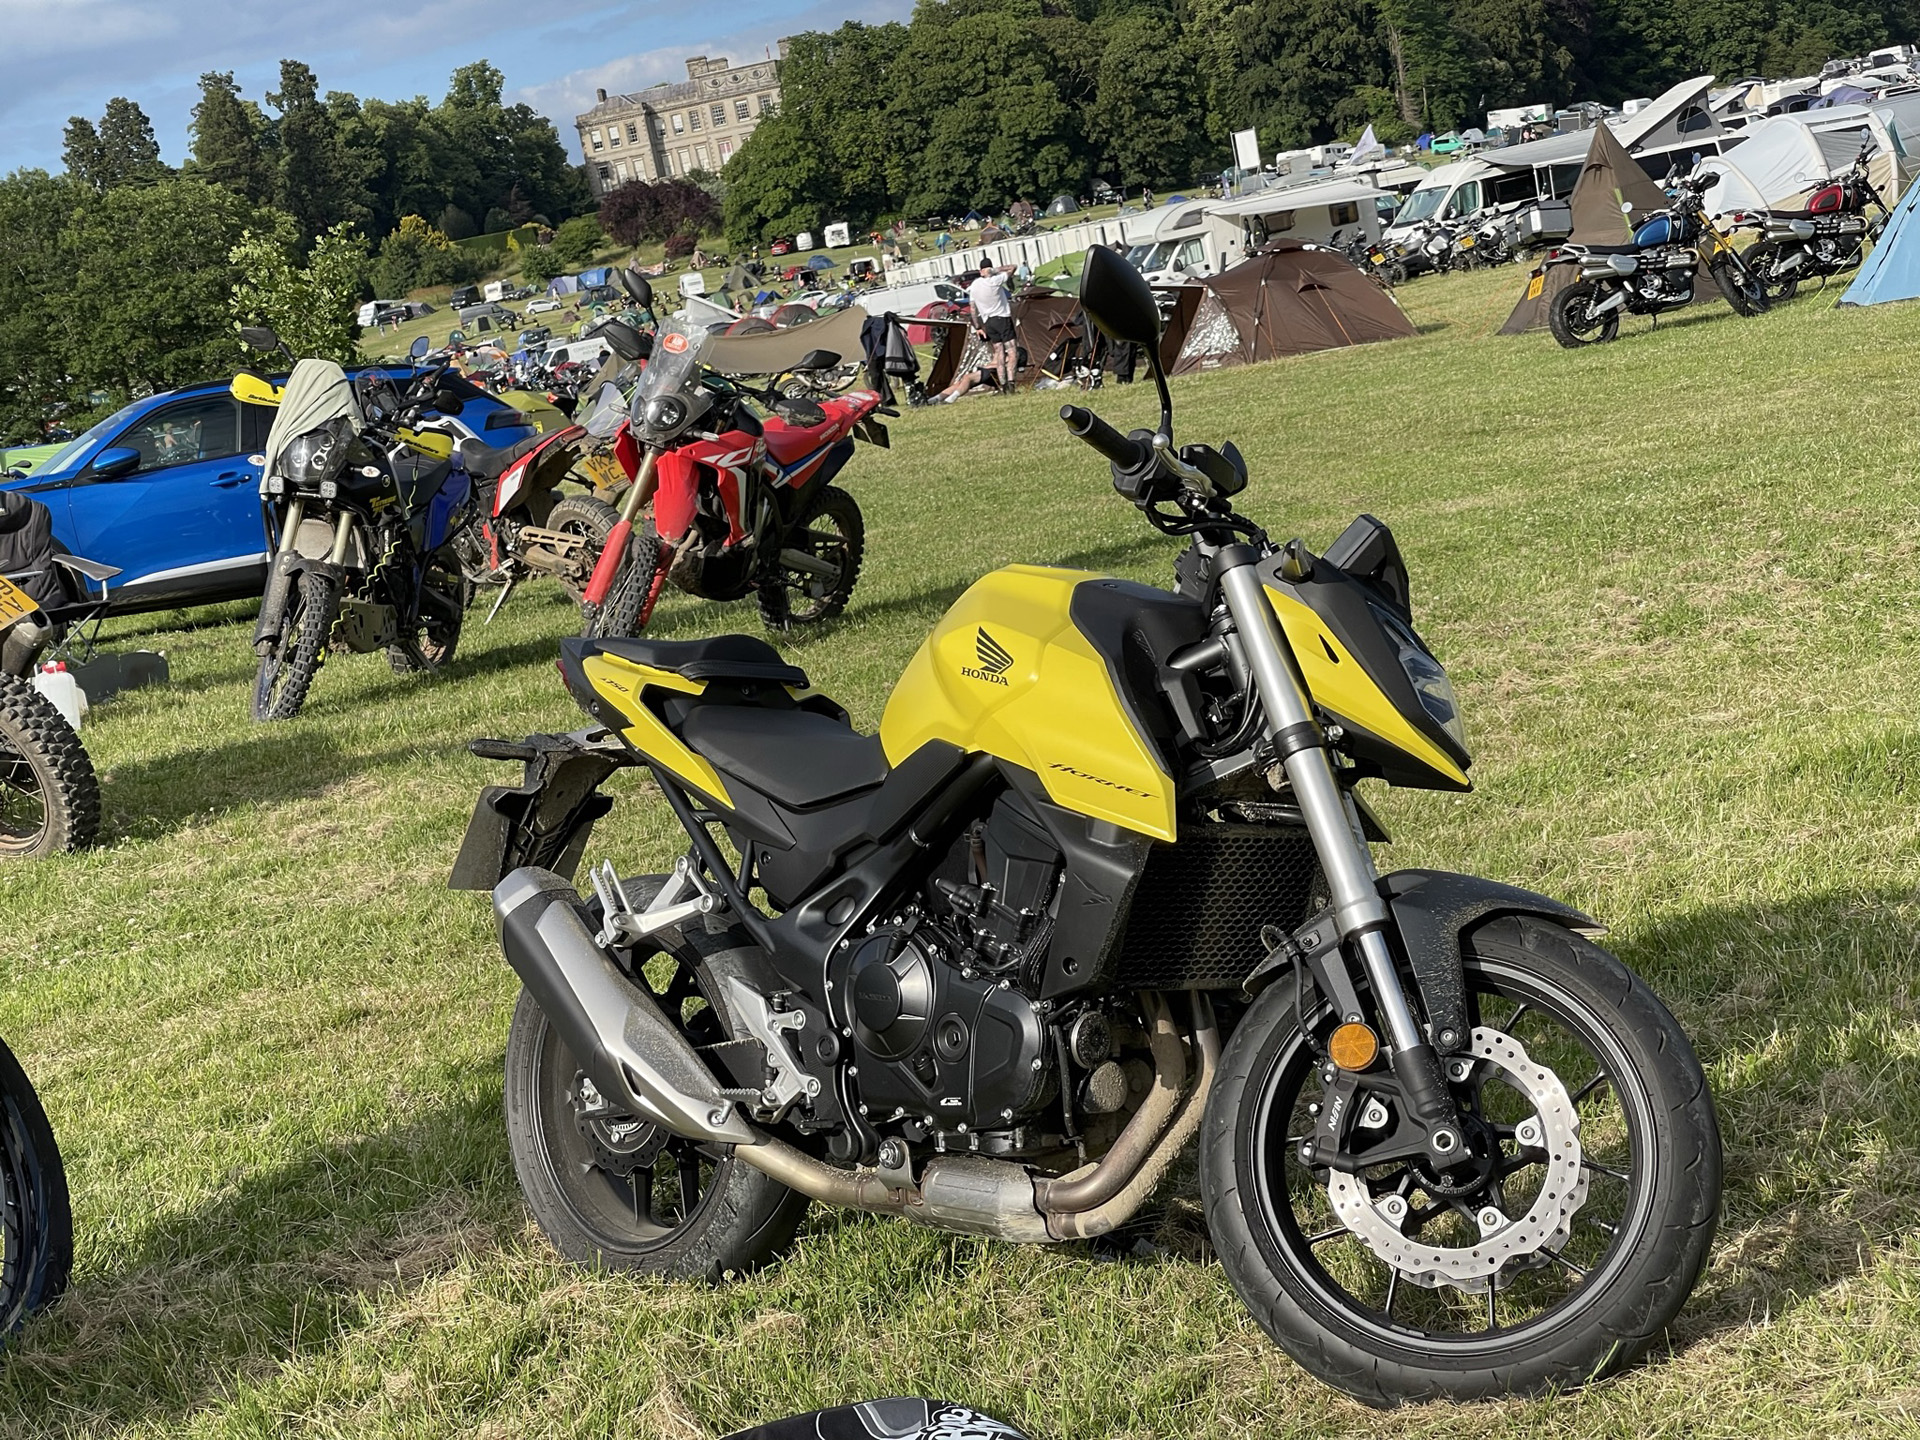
x: 592, y: 520
x: 832, y: 530
x: 433, y: 644
x: 1572, y: 324
x: 613, y: 1192
x: 1760, y: 260
x: 287, y: 669
x: 49, y: 794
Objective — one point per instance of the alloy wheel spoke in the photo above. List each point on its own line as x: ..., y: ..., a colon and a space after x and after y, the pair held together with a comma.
x: 1606, y: 1170
x: 1587, y: 1089
x: 1559, y: 1257
x: 1393, y: 1289
x: 1325, y: 1235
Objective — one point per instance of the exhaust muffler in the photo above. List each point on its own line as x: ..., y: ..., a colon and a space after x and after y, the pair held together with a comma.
x: 614, y: 1029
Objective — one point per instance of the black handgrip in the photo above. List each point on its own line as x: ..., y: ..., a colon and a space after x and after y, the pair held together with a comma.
x: 1124, y: 451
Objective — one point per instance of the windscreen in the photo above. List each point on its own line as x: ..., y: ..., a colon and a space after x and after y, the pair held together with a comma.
x: 1421, y: 205
x: 668, y: 395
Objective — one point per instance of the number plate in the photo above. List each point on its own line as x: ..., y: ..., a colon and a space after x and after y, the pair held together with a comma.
x: 1466, y: 242
x: 15, y: 603
x: 1535, y: 286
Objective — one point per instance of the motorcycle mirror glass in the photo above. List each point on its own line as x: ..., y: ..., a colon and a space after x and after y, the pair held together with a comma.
x: 259, y: 337
x: 637, y: 287
x: 818, y: 360
x: 1626, y: 207
x: 447, y: 402
x: 622, y: 338
x: 418, y: 348
x: 1118, y: 299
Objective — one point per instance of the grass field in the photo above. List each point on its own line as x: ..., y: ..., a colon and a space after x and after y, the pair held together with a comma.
x: 1672, y: 580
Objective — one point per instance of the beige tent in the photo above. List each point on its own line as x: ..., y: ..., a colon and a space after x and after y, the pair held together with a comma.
x: 1609, y: 178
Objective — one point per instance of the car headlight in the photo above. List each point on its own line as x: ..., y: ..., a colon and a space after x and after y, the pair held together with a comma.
x: 1424, y: 673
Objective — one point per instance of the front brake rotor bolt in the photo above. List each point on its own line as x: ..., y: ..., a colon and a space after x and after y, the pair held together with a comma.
x: 1459, y: 1070
x: 1491, y: 1220
x: 1528, y: 1133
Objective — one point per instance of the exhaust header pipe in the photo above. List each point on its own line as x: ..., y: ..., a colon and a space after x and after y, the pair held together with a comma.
x: 614, y: 1029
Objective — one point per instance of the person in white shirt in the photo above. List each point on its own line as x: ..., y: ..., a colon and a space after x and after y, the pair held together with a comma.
x: 992, y: 310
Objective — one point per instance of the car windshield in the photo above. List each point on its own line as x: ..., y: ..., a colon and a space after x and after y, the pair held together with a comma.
x: 1421, y: 205
x: 70, y: 452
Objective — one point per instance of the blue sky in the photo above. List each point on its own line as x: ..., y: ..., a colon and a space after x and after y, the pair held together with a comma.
x: 68, y: 57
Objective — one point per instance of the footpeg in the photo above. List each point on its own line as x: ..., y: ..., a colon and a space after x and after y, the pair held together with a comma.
x: 684, y: 896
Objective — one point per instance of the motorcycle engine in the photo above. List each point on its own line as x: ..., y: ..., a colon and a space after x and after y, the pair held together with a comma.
x: 946, y: 1031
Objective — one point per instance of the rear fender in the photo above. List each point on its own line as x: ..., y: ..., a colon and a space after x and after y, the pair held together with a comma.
x: 547, y: 818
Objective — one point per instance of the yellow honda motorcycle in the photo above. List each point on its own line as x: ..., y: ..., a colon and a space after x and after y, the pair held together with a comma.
x: 1101, y: 885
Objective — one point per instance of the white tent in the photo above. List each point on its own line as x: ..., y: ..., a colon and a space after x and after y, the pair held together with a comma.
x: 1781, y: 159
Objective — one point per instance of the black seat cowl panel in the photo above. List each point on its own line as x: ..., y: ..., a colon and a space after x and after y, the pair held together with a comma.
x: 718, y: 657
x: 797, y: 757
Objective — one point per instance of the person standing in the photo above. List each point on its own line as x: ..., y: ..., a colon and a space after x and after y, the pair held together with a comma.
x: 992, y: 308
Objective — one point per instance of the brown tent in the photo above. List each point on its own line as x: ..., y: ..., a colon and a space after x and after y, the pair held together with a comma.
x: 1041, y: 319
x: 1609, y: 178
x: 1288, y: 300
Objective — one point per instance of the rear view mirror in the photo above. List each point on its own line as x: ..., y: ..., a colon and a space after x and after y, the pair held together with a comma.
x: 419, y: 347
x: 637, y: 287
x: 625, y: 341
x: 259, y: 337
x: 1626, y: 207
x: 1118, y: 299
x: 818, y: 360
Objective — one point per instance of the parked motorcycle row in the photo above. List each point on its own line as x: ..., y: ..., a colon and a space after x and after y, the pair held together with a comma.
x: 1101, y: 888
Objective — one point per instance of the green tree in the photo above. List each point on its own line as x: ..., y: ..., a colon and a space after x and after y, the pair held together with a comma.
x: 120, y: 151
x: 313, y: 184
x: 82, y: 155
x: 310, y: 305
x: 416, y: 255
x: 229, y: 138
x: 1146, y: 121
x: 151, y: 269
x: 37, y: 320
x: 575, y: 242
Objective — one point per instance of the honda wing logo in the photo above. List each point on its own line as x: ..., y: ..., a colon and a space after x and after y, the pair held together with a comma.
x: 995, y: 661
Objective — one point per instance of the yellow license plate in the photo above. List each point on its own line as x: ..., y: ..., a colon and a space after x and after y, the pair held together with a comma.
x: 15, y: 603
x: 1466, y: 242
x: 1377, y: 258
x: 603, y: 471
x: 1535, y: 286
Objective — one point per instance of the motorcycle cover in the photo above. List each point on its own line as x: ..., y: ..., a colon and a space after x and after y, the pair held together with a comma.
x: 317, y: 392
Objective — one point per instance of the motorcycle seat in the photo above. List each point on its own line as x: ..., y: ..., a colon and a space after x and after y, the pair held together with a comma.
x: 717, y: 657
x: 1610, y: 249
x: 483, y: 462
x: 798, y: 757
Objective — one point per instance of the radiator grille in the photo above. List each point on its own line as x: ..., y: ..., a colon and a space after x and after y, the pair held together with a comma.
x: 1197, y: 912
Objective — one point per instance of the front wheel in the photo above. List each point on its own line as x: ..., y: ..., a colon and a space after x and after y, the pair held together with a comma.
x: 624, y: 612
x: 1740, y: 286
x: 49, y: 795
x: 294, y: 656
x: 1572, y: 320
x: 1570, y: 1235
x: 812, y: 578
x: 33, y: 1198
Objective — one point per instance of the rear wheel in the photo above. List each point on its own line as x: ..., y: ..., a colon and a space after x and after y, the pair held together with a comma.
x: 591, y: 521
x: 1394, y: 273
x: 1568, y: 1237
x: 36, y: 1218
x: 1740, y: 286
x: 444, y: 593
x: 294, y: 656
x: 611, y: 1190
x: 1571, y: 317
x: 49, y: 794
x: 832, y: 540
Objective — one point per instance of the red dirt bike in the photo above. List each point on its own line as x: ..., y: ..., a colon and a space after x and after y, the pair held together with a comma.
x: 741, y: 503
x: 532, y: 527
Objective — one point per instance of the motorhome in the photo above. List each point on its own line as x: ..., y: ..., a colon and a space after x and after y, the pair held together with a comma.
x: 1204, y: 237
x: 1524, y: 179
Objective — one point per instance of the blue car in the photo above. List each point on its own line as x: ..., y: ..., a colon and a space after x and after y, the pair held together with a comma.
x: 168, y: 490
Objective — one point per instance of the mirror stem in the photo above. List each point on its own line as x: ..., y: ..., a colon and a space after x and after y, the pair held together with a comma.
x: 1166, y: 399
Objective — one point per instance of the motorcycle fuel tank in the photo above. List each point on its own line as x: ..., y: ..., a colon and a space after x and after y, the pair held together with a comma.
x: 1008, y: 673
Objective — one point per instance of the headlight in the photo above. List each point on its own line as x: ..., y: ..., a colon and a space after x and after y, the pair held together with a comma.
x: 666, y: 414
x: 1429, y: 681
x: 317, y: 455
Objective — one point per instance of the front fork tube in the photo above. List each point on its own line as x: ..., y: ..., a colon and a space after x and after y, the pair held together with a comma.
x: 1358, y: 909
x: 273, y: 604
x: 614, y: 553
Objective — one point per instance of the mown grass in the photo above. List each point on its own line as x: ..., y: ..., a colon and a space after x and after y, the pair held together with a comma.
x: 1672, y: 580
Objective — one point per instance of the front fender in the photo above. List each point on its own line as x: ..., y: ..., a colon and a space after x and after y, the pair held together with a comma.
x: 1432, y: 910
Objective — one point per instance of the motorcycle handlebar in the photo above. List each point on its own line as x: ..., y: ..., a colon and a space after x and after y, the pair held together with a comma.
x: 1122, y: 450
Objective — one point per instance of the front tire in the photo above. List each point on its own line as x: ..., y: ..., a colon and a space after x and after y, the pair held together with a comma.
x: 444, y: 595
x: 1550, y: 1011
x: 38, y: 1253
x: 614, y: 1192
x: 49, y: 794
x: 1740, y: 287
x: 1572, y: 321
x: 286, y: 671
x: 619, y: 613
x: 1761, y: 259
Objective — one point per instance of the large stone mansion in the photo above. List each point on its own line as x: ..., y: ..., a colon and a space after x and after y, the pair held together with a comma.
x: 674, y: 128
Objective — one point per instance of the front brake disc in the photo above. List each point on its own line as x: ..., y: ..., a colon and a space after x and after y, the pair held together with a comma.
x: 1506, y: 1244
